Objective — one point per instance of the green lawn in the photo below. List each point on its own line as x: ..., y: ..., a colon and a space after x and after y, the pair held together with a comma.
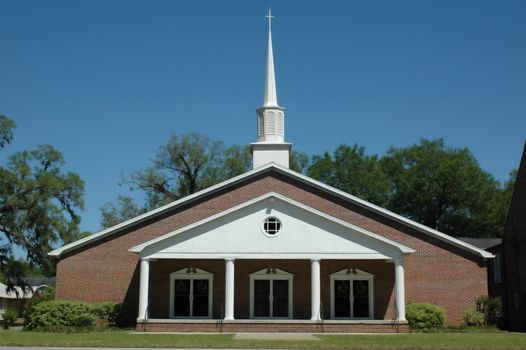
x: 396, y: 341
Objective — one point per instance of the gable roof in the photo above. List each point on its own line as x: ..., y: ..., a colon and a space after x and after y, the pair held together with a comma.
x: 290, y: 173
x: 482, y: 243
x: 273, y: 196
x: 18, y: 292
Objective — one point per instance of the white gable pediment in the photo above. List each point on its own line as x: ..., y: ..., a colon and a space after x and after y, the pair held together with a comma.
x: 239, y: 232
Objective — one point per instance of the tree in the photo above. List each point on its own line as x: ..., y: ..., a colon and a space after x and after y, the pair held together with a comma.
x: 500, y: 203
x: 38, y: 205
x: 124, y: 209
x: 299, y: 162
x: 237, y: 160
x: 444, y: 188
x: 351, y: 170
x: 184, y: 165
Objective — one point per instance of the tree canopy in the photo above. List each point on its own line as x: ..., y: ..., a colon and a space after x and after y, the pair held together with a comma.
x: 444, y: 188
x: 436, y: 185
x: 351, y: 170
x: 124, y: 209
x: 439, y: 186
x: 186, y: 164
x: 39, y: 205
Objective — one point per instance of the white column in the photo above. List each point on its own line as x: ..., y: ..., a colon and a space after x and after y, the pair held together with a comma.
x: 229, y: 289
x: 400, y: 288
x: 143, y: 288
x: 315, y: 289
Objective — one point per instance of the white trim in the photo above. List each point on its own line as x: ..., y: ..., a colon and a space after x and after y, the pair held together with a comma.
x: 253, y: 255
x: 183, y: 274
x: 273, y: 196
x: 275, y: 234
x: 278, y: 275
x: 272, y: 166
x: 356, y: 275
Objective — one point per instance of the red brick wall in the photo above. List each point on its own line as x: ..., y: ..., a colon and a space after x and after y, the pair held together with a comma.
x: 436, y: 273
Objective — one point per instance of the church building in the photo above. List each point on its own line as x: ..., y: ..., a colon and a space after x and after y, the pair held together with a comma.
x: 272, y: 250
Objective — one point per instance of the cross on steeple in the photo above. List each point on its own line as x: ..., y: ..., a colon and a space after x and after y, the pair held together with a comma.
x: 269, y: 16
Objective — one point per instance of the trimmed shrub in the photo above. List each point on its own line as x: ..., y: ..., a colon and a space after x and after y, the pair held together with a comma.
x: 68, y: 315
x: 108, y: 312
x: 424, y: 316
x: 48, y: 294
x: 60, y: 315
x: 474, y: 318
x: 9, y: 317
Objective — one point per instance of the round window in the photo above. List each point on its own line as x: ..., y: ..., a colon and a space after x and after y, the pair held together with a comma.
x: 271, y: 226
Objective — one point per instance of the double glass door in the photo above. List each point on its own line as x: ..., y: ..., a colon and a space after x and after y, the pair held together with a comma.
x: 351, y: 298
x: 191, y: 297
x: 271, y: 298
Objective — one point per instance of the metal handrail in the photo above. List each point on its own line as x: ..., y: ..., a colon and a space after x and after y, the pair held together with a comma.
x: 146, y: 316
x: 321, y: 317
x: 221, y: 318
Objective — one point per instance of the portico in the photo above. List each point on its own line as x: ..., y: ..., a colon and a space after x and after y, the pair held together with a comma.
x: 273, y: 259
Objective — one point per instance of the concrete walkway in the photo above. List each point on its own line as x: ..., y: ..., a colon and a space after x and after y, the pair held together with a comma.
x: 275, y: 336
x: 248, y: 335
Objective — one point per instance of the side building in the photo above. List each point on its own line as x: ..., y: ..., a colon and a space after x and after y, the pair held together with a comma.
x: 514, y: 252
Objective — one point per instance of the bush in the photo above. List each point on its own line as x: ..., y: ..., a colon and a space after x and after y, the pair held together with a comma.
x: 108, y: 312
x: 491, y: 308
x: 9, y: 317
x: 474, y: 318
x: 424, y: 316
x: 45, y: 295
x: 60, y: 315
x: 68, y: 315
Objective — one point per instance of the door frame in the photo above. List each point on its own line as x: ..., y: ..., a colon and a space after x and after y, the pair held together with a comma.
x: 191, y: 273
x: 271, y: 274
x: 352, y: 274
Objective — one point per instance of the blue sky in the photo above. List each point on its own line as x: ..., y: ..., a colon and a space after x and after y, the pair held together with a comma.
x: 107, y: 82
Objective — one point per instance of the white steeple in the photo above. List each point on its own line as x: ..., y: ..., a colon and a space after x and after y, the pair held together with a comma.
x: 270, y: 145
x: 271, y: 99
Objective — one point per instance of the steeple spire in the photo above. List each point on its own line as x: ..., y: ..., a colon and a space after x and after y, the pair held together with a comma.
x: 270, y: 146
x: 271, y: 99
